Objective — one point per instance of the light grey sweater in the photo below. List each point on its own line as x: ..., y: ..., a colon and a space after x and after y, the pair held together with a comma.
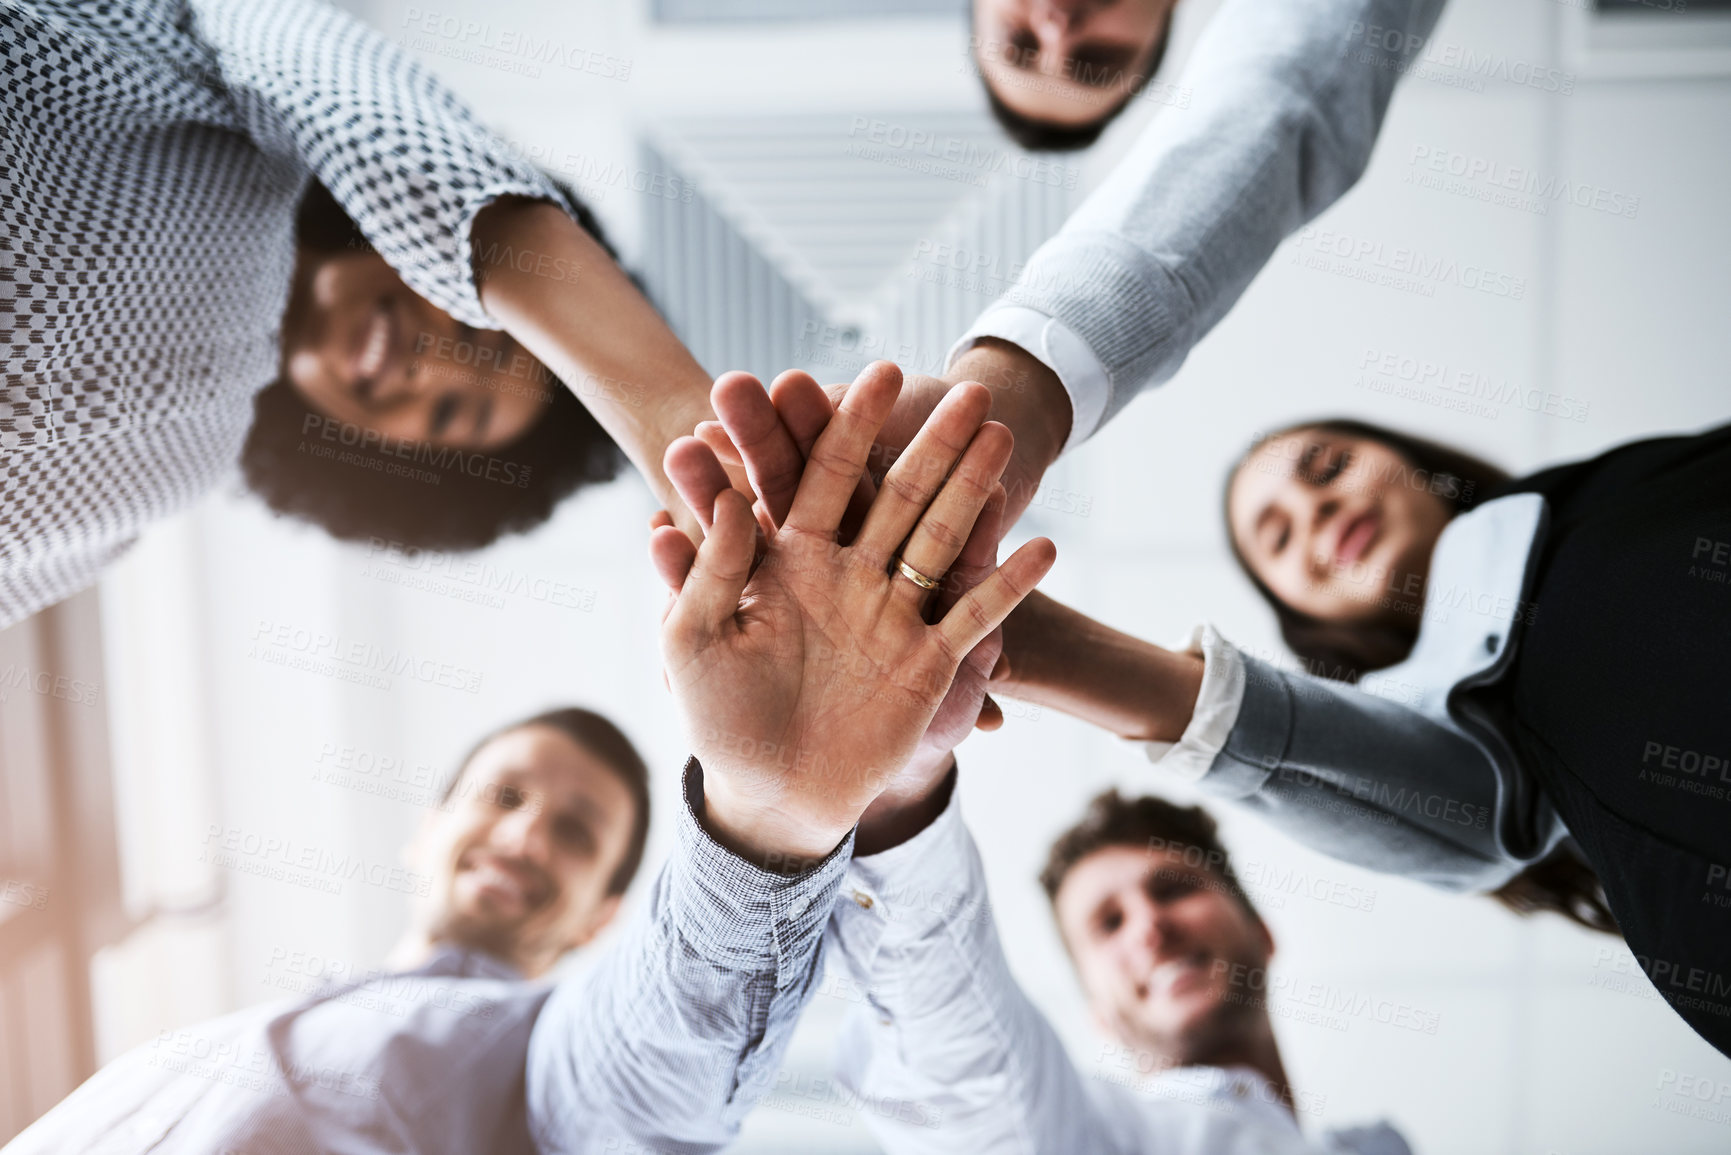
x: 1287, y: 97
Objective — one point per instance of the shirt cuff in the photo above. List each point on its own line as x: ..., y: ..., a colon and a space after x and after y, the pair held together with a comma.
x: 1053, y: 344
x: 1216, y: 713
x: 910, y: 890
x: 466, y: 305
x: 738, y: 915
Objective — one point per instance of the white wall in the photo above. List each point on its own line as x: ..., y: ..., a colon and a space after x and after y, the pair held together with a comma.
x: 1546, y: 1040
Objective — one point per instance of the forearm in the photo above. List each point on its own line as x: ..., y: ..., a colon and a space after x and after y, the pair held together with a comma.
x: 1282, y: 104
x: 1350, y: 771
x: 949, y: 1051
x: 558, y: 292
x: 684, y: 1024
x: 1072, y: 663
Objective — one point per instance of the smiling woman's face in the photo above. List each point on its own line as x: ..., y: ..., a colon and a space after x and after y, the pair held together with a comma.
x: 1338, y: 527
x: 361, y: 347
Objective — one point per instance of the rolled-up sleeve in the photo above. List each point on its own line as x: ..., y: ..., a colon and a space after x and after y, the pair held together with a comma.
x: 403, y: 156
x: 1286, y: 98
x: 682, y: 1027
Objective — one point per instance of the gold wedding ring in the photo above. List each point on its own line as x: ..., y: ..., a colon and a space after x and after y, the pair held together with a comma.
x: 916, y: 576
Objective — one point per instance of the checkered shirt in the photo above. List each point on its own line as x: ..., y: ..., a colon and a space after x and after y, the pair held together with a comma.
x: 153, y: 154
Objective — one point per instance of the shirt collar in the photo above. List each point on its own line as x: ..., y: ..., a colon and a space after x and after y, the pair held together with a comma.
x: 455, y: 960
x: 1474, y: 594
x: 1240, y: 1089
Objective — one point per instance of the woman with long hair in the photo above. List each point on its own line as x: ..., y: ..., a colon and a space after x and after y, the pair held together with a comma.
x: 1513, y: 686
x: 203, y: 197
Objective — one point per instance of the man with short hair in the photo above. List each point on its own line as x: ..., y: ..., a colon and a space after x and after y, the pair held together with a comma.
x: 527, y: 857
x: 1277, y: 113
x: 1171, y: 955
x: 807, y: 684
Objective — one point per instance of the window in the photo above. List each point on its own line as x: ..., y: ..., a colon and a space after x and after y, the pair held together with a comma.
x: 59, y: 873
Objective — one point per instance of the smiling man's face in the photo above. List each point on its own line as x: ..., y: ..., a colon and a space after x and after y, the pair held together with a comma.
x: 1170, y: 961
x: 521, y: 860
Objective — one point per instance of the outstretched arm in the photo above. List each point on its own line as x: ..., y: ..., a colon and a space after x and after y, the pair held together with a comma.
x: 1057, y: 657
x: 468, y: 226
x: 947, y: 1052
x: 1350, y: 770
x: 806, y: 682
x: 595, y: 331
x: 943, y: 1046
x: 1284, y: 101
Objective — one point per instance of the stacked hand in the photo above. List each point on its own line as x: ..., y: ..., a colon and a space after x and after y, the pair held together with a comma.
x: 1026, y: 395
x: 806, y: 669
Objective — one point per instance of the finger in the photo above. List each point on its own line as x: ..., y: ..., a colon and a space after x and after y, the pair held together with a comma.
x: 948, y: 523
x: 710, y: 596
x: 713, y: 435
x: 773, y: 461
x: 696, y: 476
x: 672, y: 554
x: 991, y: 715
x: 983, y: 608
x: 838, y: 457
x: 858, y: 507
x: 918, y: 474
x: 804, y: 407
x: 979, y: 554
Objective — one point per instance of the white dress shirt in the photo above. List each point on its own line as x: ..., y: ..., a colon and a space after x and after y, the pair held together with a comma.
x: 664, y: 1047
x: 947, y: 1054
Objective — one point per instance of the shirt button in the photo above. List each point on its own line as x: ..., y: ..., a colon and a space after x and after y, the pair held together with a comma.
x: 797, y: 906
x: 864, y: 899
x: 1491, y: 641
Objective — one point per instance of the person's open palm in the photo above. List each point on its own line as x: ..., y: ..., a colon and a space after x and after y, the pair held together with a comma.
x: 807, y: 683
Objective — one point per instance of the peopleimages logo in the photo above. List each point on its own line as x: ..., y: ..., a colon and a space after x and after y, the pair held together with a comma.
x: 320, y: 428
x: 1497, y: 175
x: 965, y: 153
x: 1398, y: 266
x: 350, y: 659
x: 472, y: 37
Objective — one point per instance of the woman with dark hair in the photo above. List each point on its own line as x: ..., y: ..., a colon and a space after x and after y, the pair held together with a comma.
x: 1509, y: 685
x: 205, y: 196
x: 326, y: 446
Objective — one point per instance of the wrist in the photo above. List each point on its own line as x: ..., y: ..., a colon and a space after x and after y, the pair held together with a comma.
x: 1028, y: 397
x: 899, y: 814
x: 1070, y: 662
x: 762, y: 832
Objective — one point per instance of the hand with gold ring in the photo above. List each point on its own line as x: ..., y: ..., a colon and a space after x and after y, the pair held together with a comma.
x: 784, y: 422
x: 808, y: 682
